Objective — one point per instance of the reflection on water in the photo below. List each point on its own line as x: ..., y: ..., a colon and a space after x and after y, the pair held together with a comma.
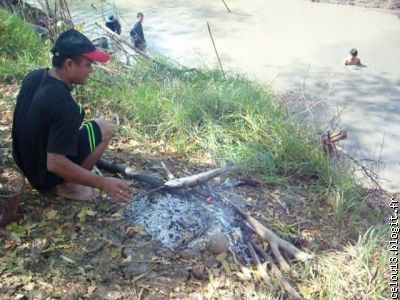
x: 289, y: 44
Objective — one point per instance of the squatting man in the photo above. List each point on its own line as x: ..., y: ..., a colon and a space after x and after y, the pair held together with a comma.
x: 52, y: 146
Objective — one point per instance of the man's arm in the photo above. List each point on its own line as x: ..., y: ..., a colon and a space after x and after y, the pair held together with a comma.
x: 60, y: 165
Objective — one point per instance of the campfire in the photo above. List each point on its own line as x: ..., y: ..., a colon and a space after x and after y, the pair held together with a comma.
x: 190, y: 222
x: 194, y: 212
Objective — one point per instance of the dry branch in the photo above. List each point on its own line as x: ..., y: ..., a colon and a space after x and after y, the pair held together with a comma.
x: 273, y: 239
x: 216, y: 52
x: 198, y: 178
x: 263, y: 273
x: 226, y: 6
x: 282, y: 280
x: 167, y: 171
x: 329, y: 141
x: 159, y: 184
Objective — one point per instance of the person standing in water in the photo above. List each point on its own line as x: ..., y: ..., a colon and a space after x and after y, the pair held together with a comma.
x: 353, y: 60
x: 137, y: 33
x: 113, y: 24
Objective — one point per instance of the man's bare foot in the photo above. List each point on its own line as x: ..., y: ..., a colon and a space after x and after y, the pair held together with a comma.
x: 76, y: 192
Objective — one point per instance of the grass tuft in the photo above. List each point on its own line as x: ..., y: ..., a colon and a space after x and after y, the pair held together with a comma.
x: 21, y: 49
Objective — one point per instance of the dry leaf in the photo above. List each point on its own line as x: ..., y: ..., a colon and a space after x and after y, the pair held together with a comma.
x: 91, y: 289
x: 29, y: 286
x: 114, y: 252
x: 67, y: 259
x: 51, y: 214
x: 128, y: 259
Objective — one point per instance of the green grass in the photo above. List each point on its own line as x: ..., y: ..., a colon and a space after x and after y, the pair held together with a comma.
x: 234, y: 120
x: 21, y: 50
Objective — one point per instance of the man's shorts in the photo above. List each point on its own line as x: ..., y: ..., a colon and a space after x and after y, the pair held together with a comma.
x: 89, y: 138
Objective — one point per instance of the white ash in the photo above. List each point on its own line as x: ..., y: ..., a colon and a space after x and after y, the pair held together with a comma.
x: 180, y: 222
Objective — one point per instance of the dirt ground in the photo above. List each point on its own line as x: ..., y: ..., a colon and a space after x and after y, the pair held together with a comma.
x: 60, y: 249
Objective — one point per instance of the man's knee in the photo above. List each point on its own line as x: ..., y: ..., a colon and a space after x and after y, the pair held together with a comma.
x: 105, y: 128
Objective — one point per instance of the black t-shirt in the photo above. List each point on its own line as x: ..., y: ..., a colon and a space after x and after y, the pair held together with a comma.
x: 137, y: 34
x: 114, y: 26
x: 46, y: 120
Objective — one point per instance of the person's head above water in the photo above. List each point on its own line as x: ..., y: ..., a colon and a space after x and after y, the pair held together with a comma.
x: 354, y: 52
x: 110, y: 19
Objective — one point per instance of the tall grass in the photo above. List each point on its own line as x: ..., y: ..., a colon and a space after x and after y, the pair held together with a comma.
x: 21, y: 49
x: 234, y: 120
x: 359, y: 271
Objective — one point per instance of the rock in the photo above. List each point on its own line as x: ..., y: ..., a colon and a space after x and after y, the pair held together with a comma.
x: 218, y: 243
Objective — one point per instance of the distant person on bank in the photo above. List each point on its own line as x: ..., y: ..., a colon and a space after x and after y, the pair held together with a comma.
x: 113, y: 24
x: 137, y: 33
x: 353, y: 60
x: 51, y: 146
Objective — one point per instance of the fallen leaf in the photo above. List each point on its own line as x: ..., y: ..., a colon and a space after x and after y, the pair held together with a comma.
x: 85, y: 211
x: 51, y: 214
x: 116, y: 216
x: 15, y: 237
x: 221, y: 257
x: 245, y: 274
x: 91, y: 289
x: 67, y: 259
x: 128, y: 259
x: 114, y: 252
x: 226, y: 266
x: 29, y: 286
x: 18, y: 229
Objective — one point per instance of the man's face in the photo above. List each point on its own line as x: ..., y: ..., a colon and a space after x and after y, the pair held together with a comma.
x: 79, y: 71
x: 140, y: 19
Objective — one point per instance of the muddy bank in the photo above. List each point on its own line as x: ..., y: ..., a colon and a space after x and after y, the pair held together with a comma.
x: 387, y: 4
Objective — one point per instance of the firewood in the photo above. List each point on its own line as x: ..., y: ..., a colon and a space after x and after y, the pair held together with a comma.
x: 275, y: 270
x: 272, y: 238
x: 198, y: 178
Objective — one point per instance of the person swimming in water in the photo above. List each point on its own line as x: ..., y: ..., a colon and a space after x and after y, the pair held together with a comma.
x: 353, y: 60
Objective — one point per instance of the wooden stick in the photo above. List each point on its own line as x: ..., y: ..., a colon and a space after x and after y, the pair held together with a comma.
x: 198, y: 178
x: 216, y: 52
x: 282, y: 280
x: 263, y: 273
x: 273, y: 239
x: 226, y: 6
x: 158, y: 184
x: 125, y: 170
x: 169, y: 174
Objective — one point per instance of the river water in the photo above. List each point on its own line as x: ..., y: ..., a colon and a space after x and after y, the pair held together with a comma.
x: 290, y: 45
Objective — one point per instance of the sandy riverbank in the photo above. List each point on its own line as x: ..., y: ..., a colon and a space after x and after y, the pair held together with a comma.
x: 387, y: 4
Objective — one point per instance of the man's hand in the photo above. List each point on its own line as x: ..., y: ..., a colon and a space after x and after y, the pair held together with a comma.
x: 117, y: 189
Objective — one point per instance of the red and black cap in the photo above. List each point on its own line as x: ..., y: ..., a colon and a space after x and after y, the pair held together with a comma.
x: 72, y: 42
